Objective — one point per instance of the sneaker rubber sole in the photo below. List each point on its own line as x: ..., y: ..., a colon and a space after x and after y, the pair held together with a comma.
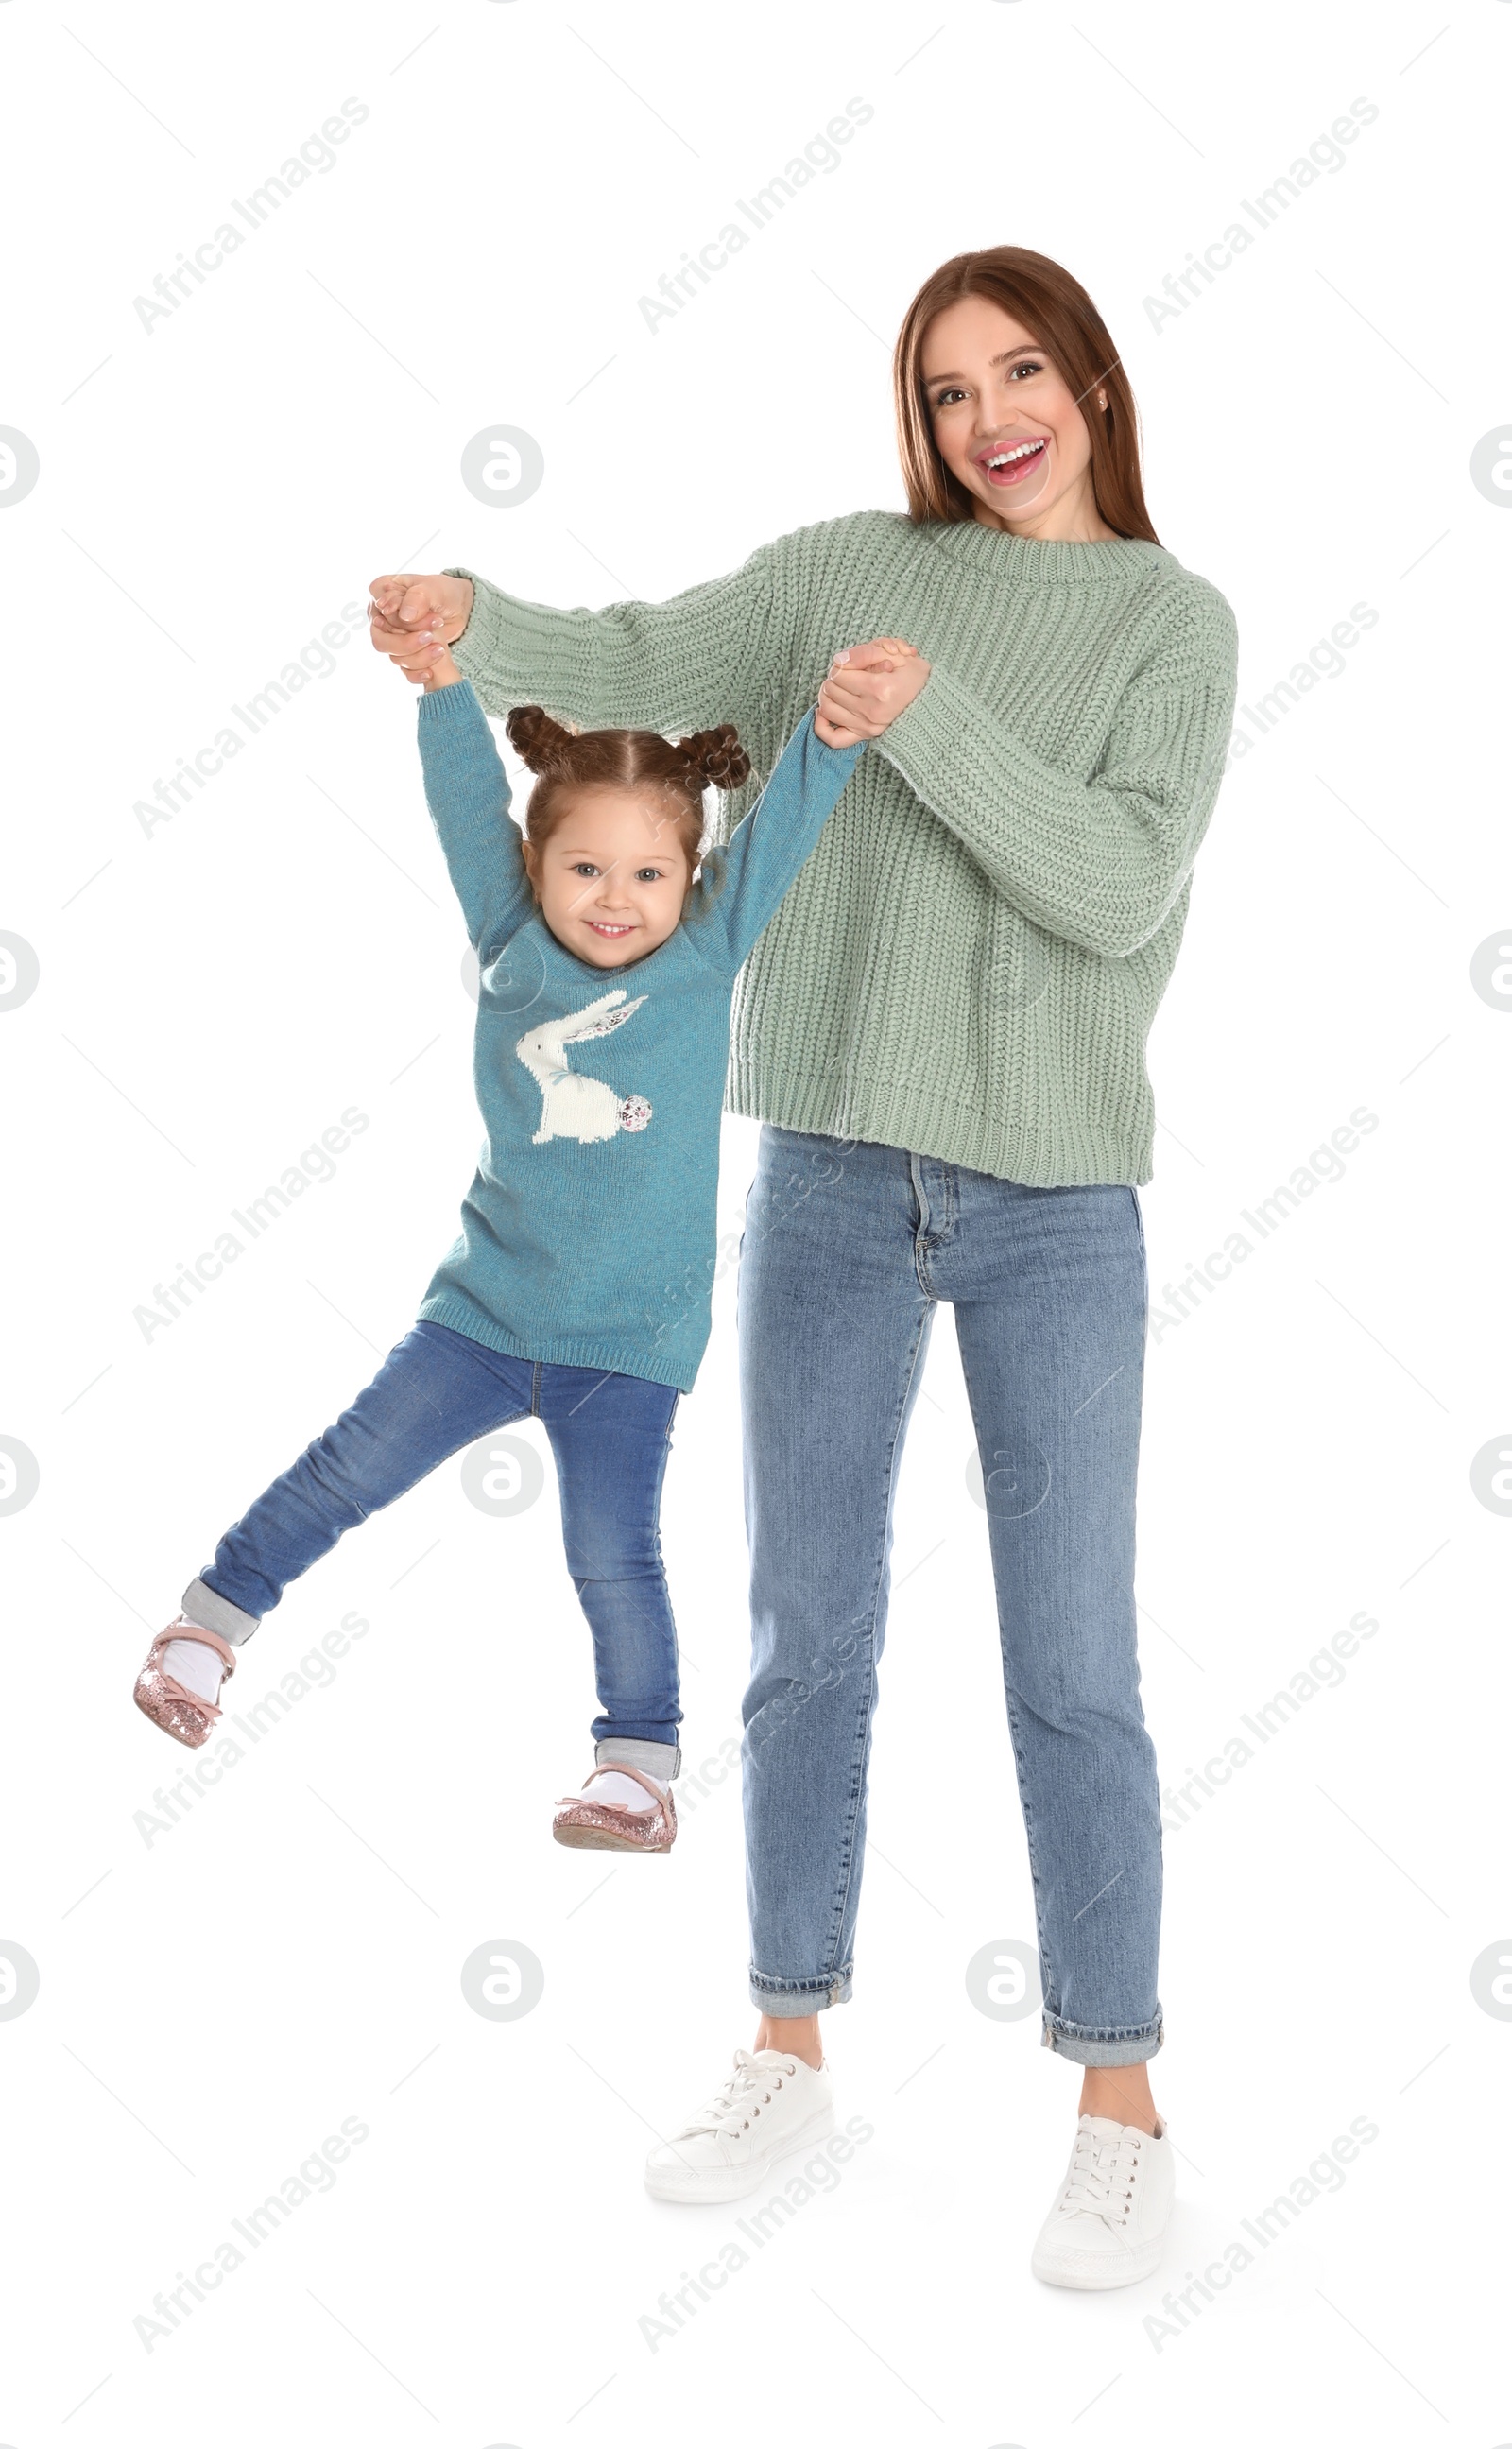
x: 728, y: 2185
x: 1141, y: 2262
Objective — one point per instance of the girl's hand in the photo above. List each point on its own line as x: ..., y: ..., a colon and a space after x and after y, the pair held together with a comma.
x: 441, y: 674
x: 867, y: 689
x: 414, y: 620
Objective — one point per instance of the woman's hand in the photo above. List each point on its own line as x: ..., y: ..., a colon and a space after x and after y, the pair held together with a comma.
x: 866, y: 688
x: 414, y: 620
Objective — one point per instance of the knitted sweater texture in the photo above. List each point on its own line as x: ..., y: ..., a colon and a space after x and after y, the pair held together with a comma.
x: 588, y: 1236
x: 970, y: 964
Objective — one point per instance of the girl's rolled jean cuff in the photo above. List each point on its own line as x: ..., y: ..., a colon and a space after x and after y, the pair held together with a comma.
x: 793, y: 1998
x: 1102, y: 2049
x: 657, y: 1760
x: 202, y: 1605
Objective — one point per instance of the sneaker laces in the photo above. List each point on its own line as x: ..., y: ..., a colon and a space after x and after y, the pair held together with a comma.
x: 1101, y: 2175
x: 740, y: 2096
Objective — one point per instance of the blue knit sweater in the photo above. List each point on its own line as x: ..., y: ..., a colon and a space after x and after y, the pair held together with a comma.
x: 588, y: 1235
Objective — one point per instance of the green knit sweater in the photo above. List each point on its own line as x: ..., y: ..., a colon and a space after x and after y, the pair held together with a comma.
x: 970, y: 964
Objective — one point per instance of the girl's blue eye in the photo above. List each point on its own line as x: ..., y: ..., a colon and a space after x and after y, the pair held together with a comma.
x: 648, y: 876
x: 584, y: 867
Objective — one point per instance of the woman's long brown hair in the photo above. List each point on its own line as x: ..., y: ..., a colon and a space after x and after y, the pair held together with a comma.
x: 1056, y: 310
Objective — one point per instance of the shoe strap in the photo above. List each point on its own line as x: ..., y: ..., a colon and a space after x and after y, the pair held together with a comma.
x: 194, y: 1633
x: 181, y: 1692
x: 623, y: 1768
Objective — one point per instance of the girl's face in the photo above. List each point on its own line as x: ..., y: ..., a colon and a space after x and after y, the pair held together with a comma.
x: 612, y: 875
x: 1007, y: 426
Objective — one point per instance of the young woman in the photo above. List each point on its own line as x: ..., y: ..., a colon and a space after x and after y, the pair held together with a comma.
x: 943, y: 1031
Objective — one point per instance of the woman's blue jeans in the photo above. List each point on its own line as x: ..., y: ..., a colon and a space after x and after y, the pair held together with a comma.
x: 436, y: 1393
x: 847, y: 1249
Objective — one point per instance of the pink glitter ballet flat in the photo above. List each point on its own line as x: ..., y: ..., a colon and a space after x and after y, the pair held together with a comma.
x: 170, y: 1704
x: 580, y: 1820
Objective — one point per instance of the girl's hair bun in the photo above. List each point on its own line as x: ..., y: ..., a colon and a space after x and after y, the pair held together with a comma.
x: 537, y: 738
x: 717, y: 757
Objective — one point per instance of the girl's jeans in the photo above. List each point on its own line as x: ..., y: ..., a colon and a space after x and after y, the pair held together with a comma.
x: 847, y: 1249
x: 438, y: 1392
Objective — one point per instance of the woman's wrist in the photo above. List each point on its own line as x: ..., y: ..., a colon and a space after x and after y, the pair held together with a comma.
x: 469, y: 597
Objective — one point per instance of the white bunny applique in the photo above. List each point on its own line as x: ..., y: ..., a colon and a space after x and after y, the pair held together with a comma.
x: 573, y: 1106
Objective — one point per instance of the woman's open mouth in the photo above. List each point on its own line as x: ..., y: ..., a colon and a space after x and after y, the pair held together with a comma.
x: 1011, y: 462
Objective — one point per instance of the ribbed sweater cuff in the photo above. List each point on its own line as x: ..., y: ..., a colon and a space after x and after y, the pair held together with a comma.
x: 925, y: 740
x: 447, y: 707
x: 505, y: 635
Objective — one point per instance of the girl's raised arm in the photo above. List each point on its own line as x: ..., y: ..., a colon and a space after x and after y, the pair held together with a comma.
x: 467, y: 792
x: 744, y: 884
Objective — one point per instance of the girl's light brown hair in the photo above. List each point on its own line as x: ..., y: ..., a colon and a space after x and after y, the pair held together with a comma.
x: 1056, y: 312
x: 672, y: 776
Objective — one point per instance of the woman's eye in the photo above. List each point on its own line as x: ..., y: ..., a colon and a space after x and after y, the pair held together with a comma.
x: 1026, y: 367
x: 944, y: 398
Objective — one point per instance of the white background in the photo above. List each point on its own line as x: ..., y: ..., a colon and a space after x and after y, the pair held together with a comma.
x: 213, y: 994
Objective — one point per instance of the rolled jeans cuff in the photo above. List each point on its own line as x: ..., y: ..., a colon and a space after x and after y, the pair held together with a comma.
x: 203, y: 1606
x: 1092, y: 2049
x: 776, y: 1997
x: 657, y: 1760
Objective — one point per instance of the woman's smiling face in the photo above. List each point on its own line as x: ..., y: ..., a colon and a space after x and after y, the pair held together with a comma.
x: 1007, y: 426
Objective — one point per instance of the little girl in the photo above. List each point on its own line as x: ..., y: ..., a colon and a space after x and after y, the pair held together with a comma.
x: 578, y: 1291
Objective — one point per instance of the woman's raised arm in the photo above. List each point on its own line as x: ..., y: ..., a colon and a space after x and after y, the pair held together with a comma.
x: 704, y: 657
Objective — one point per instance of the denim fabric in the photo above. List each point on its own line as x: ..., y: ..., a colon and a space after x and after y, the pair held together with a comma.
x: 438, y: 1391
x: 847, y: 1249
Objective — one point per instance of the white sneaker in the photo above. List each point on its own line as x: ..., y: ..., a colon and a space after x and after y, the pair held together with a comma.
x: 1108, y: 2225
x: 772, y: 2105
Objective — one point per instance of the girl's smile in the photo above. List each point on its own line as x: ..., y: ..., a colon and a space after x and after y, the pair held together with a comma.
x: 613, y: 878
